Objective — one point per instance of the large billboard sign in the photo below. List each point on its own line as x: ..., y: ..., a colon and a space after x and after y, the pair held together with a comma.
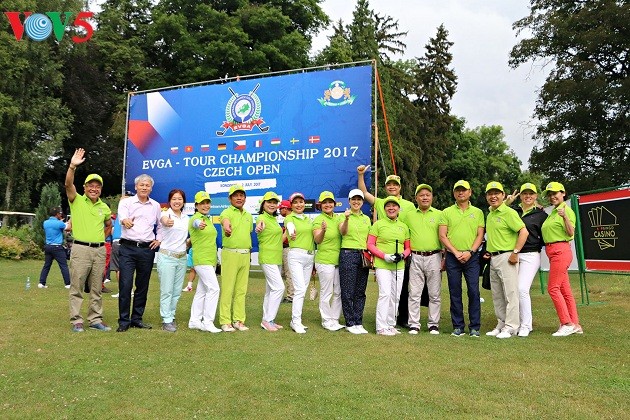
x: 605, y: 226
x: 303, y: 132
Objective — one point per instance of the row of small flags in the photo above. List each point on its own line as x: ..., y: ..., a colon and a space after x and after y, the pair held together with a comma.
x: 242, y: 144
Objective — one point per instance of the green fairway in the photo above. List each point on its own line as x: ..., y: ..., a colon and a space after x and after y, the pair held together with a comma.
x: 46, y: 371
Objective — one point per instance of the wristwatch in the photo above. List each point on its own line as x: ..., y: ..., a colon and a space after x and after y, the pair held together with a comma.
x: 516, y: 251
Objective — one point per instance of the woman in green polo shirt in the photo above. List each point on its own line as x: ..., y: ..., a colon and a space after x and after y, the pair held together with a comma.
x: 389, y: 241
x: 557, y: 231
x: 270, y: 258
x: 203, y: 236
x: 301, y: 255
x: 328, y: 239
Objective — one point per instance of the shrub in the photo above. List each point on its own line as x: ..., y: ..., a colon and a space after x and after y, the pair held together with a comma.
x: 18, y: 243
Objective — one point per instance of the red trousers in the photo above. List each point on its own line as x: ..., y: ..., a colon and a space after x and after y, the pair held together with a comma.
x: 559, y: 287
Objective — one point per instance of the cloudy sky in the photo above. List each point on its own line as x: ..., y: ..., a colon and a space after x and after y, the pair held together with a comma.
x: 489, y: 92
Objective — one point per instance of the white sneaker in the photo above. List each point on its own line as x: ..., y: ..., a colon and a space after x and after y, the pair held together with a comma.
x: 42, y: 286
x: 298, y: 328
x: 333, y: 326
x: 506, y: 333
x: 361, y: 329
x: 106, y: 281
x: 67, y: 286
x: 523, y: 332
x: 353, y: 329
x: 564, y: 331
x: 195, y: 325
x: 116, y: 295
x: 386, y: 331
x: 240, y: 326
x: 395, y: 330
x: 414, y: 330
x: 209, y: 327
x: 494, y: 332
x: 227, y: 328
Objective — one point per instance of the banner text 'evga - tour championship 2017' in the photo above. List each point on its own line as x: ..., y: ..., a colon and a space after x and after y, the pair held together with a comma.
x: 303, y: 132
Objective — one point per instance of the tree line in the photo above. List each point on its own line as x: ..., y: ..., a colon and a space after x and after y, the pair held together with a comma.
x: 59, y: 95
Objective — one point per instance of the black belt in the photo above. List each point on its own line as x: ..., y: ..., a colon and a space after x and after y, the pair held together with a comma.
x: 556, y: 242
x: 498, y: 253
x: 426, y: 253
x: 134, y: 243
x: 90, y: 244
x: 352, y: 250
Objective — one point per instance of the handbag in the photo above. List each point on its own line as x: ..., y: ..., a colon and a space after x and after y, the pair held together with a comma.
x: 367, y: 260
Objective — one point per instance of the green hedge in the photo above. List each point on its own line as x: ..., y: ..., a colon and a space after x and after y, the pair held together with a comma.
x: 18, y: 244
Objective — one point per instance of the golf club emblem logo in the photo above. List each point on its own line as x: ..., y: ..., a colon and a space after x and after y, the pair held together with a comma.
x: 337, y: 94
x: 242, y: 112
x: 603, y: 222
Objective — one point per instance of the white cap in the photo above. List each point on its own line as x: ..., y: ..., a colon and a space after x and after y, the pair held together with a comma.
x: 355, y: 192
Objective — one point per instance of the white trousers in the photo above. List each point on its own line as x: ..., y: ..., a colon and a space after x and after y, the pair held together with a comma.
x: 301, y: 266
x: 274, y: 291
x: 329, y: 292
x: 204, y: 305
x: 389, y: 288
x: 529, y: 263
x: 425, y: 270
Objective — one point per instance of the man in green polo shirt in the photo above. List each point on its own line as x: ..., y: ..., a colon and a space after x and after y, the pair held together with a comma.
x: 392, y: 187
x: 237, y: 225
x: 506, y: 235
x: 426, y: 259
x: 461, y: 233
x: 90, y: 216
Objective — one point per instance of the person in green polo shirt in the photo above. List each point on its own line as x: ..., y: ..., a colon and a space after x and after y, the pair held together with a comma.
x: 392, y: 188
x: 203, y: 237
x: 506, y: 235
x: 237, y: 225
x: 328, y: 239
x: 90, y: 217
x: 299, y: 231
x: 558, y: 231
x: 461, y: 232
x: 426, y: 259
x: 389, y: 243
x: 270, y: 258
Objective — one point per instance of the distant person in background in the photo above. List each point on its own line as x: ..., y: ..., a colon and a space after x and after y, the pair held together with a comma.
x: 54, y: 228
x: 90, y: 216
x: 529, y: 257
x: 237, y: 225
x: 353, y: 275
x: 171, y: 259
x: 114, y: 259
x: 558, y: 231
x: 328, y: 239
x: 285, y: 210
x: 270, y: 259
x: 139, y: 217
x: 191, y: 271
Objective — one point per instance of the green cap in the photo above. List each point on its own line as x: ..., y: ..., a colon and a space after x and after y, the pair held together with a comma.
x: 326, y: 195
x: 553, y: 187
x: 93, y: 177
x: 461, y: 183
x: 270, y: 195
x: 529, y: 186
x: 391, y: 199
x: 494, y: 185
x: 394, y: 178
x: 202, y: 196
x: 423, y: 187
x: 236, y: 187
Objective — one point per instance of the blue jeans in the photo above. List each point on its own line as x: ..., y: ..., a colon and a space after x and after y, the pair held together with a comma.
x: 470, y: 270
x: 139, y: 261
x: 58, y: 253
x: 171, y: 272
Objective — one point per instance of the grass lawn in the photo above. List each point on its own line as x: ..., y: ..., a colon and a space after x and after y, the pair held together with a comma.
x: 46, y: 371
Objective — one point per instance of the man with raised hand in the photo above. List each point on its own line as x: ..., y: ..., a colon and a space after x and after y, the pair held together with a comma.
x: 90, y: 216
x: 392, y: 188
x: 140, y: 237
x: 461, y: 232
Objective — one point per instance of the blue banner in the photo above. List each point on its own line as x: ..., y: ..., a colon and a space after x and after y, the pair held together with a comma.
x: 304, y: 132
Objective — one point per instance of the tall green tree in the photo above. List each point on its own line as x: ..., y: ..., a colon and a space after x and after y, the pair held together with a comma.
x: 583, y: 107
x: 362, y: 31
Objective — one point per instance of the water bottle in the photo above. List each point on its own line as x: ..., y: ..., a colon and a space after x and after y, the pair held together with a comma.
x: 28, y: 283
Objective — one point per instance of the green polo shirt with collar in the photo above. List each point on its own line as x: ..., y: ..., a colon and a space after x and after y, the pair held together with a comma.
x: 303, y: 230
x: 553, y: 227
x: 88, y: 219
x: 405, y: 205
x: 423, y: 228
x: 270, y: 240
x: 358, y: 229
x: 387, y: 232
x: 204, y: 241
x: 502, y: 226
x: 242, y: 225
x: 462, y: 225
x: 328, y: 250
